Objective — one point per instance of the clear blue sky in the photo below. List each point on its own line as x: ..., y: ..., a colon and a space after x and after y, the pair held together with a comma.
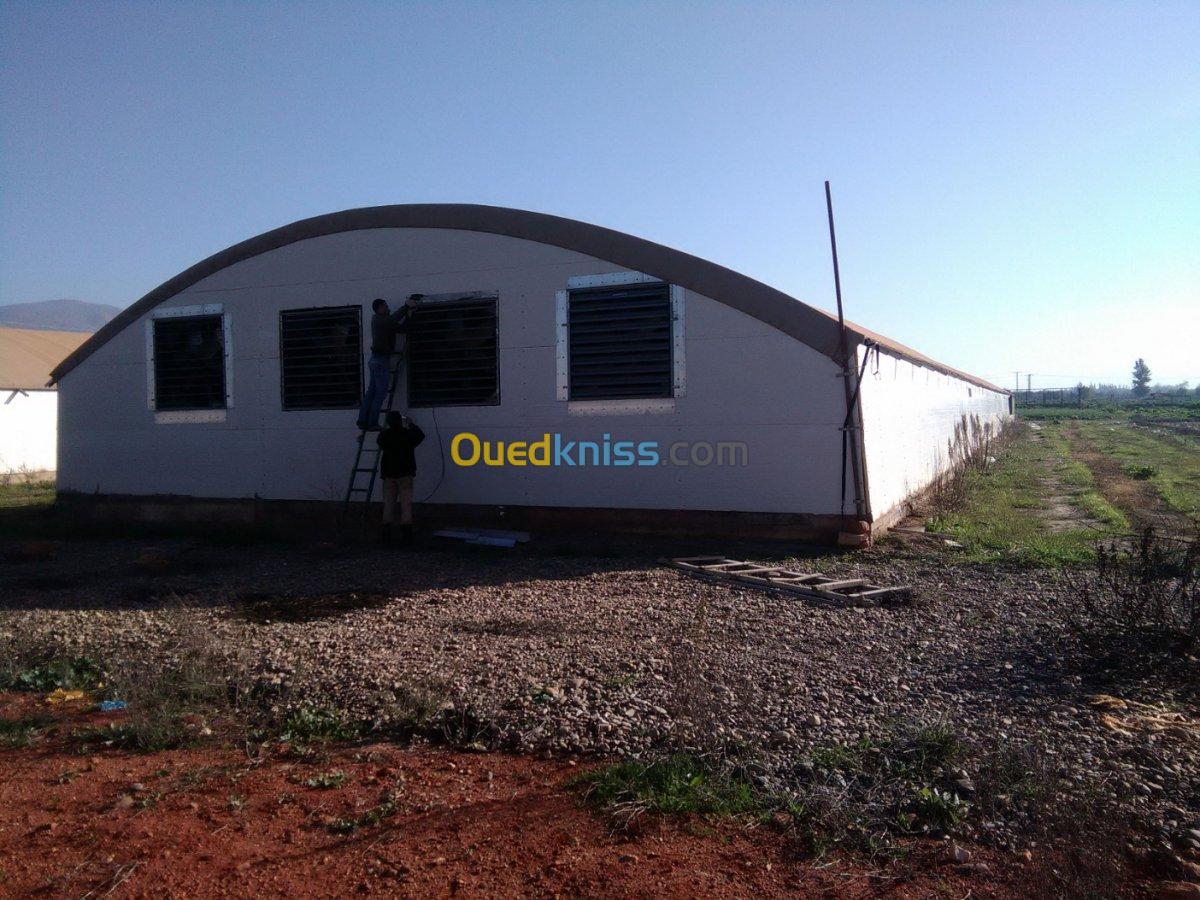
x: 1017, y: 185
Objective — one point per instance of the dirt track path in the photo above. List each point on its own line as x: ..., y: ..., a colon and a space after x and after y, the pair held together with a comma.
x: 1059, y: 512
x: 1139, y: 500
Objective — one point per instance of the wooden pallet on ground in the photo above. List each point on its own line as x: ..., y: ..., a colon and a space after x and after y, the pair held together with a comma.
x: 848, y: 591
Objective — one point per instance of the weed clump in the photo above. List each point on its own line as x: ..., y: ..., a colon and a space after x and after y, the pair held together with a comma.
x: 311, y: 724
x: 677, y: 784
x: 28, y: 664
x: 1140, y: 471
x: 1142, y: 600
x: 18, y: 733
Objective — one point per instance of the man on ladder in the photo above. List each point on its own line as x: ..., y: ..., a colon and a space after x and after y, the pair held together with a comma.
x: 396, y: 444
x: 385, y: 325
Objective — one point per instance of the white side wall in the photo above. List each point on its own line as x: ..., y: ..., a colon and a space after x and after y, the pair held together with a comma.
x: 916, y: 422
x: 745, y: 381
x: 28, y: 425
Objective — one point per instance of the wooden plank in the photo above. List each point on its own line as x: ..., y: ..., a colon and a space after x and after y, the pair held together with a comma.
x: 838, y: 585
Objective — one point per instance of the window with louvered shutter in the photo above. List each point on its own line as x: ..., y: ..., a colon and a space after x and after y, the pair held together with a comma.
x: 320, y: 357
x: 619, y: 341
x: 189, y: 363
x: 452, y: 353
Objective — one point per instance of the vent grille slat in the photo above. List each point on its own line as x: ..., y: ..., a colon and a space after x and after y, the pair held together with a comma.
x: 189, y: 363
x: 320, y: 357
x: 452, y: 353
x: 619, y: 342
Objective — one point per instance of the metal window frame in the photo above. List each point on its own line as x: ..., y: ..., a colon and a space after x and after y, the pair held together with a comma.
x: 562, y: 345
x: 450, y: 297
x: 358, y: 310
x: 177, y: 416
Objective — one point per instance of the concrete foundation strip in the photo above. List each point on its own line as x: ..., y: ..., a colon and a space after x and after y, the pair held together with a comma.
x: 847, y: 591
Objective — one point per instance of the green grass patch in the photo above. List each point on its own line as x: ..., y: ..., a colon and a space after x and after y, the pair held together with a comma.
x: 676, y: 785
x: 75, y: 673
x: 1000, y: 518
x: 1170, y: 463
x: 19, y: 493
x: 310, y: 724
x: 1170, y: 409
x: 17, y: 733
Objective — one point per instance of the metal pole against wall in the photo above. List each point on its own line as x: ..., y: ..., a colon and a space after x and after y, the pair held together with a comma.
x: 849, y: 446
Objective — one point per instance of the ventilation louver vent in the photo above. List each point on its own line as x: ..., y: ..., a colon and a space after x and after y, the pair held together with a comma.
x: 620, y: 342
x: 189, y: 363
x: 320, y: 357
x: 452, y: 358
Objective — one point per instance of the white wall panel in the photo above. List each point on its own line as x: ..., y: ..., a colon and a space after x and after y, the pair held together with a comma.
x: 915, y: 421
x: 28, y: 424
x: 745, y: 382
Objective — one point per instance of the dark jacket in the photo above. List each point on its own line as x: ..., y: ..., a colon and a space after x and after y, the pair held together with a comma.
x: 398, y: 443
x: 384, y: 329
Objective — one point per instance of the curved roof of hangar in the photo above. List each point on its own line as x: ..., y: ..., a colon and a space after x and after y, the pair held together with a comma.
x: 793, y: 317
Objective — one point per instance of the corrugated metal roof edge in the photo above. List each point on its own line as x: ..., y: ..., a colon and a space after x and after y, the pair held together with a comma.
x: 793, y: 317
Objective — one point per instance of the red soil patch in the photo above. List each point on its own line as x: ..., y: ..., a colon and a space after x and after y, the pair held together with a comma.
x: 208, y: 822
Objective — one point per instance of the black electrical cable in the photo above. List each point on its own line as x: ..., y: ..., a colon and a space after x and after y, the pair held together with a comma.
x: 437, y: 433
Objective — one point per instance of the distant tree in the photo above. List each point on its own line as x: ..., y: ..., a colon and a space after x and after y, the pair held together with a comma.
x: 1141, y: 378
x: 1083, y: 392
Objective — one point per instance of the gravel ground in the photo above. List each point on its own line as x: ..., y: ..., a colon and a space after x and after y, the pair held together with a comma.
x: 615, y: 654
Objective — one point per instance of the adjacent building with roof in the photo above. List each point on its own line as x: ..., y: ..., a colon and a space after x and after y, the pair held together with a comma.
x: 693, y: 398
x: 28, y: 404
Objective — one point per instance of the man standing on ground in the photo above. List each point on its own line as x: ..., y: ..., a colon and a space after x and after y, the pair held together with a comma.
x: 385, y: 325
x: 398, y: 466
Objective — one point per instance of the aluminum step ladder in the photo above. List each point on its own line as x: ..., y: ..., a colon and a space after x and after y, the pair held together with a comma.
x: 366, y: 459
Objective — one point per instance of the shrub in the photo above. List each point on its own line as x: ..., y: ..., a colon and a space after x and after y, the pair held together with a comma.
x: 1147, y: 589
x: 1140, y: 472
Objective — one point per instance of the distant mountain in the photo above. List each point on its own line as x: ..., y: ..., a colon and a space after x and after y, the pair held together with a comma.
x: 57, y: 315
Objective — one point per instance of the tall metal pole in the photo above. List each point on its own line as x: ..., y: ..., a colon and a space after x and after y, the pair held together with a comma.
x: 849, y: 446
x: 837, y: 275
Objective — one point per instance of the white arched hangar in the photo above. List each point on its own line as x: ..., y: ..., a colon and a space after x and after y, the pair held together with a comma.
x: 231, y: 391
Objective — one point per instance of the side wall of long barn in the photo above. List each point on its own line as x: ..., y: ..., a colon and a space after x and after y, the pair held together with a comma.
x: 27, y: 424
x: 745, y: 382
x: 917, y: 424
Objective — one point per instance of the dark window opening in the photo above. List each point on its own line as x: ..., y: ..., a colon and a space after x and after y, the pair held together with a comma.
x: 320, y: 357
x: 620, y: 342
x: 452, y: 356
x: 189, y: 363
